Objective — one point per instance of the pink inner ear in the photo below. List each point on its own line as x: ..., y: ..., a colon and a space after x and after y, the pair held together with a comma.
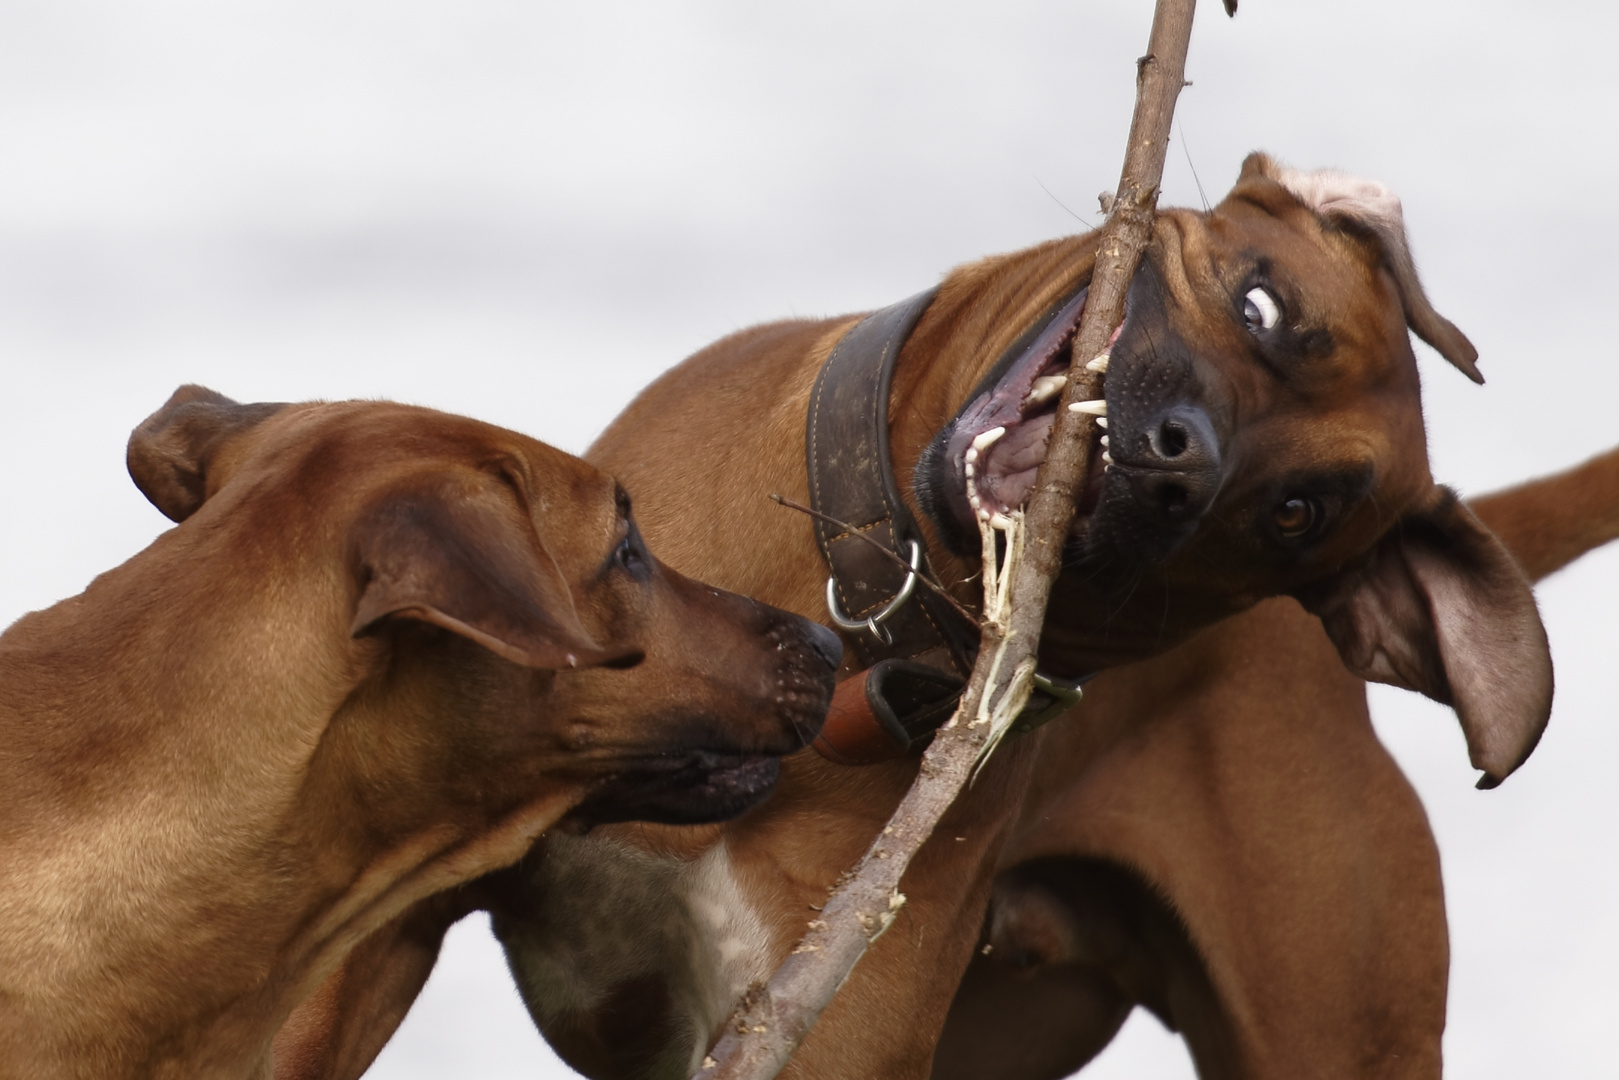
x: 1328, y: 191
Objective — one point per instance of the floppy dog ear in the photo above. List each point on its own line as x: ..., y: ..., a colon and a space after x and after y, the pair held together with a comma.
x: 1441, y: 607
x: 170, y: 452
x: 469, y: 561
x: 1369, y: 207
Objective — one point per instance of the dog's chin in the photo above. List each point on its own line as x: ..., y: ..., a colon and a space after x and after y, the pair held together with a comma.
x: 696, y: 789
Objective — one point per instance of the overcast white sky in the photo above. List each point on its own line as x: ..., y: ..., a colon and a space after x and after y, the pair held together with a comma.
x: 523, y: 211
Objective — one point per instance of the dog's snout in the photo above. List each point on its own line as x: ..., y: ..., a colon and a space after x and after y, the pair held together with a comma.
x: 825, y: 644
x: 1176, y: 467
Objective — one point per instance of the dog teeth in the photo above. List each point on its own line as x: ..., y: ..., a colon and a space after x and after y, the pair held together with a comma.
x: 1101, y: 422
x: 972, y: 454
x: 969, y: 470
x: 1090, y: 408
x: 1000, y: 521
x: 1099, y: 365
x: 1045, y: 388
x: 1104, y: 441
x: 987, y: 439
x: 1107, y: 456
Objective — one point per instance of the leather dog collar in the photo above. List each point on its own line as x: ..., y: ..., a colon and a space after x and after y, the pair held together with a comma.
x: 851, y: 479
x: 918, y: 650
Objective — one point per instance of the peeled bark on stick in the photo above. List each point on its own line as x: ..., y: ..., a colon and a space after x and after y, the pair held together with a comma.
x: 773, y: 1019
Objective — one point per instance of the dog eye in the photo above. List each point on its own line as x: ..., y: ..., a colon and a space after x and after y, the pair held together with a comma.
x: 632, y: 556
x: 1260, y: 310
x: 1296, y: 517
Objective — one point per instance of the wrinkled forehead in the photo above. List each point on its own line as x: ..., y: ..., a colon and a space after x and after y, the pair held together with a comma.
x: 1336, y: 276
x: 1330, y: 281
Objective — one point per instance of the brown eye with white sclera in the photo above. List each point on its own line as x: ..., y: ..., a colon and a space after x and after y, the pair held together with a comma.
x: 1296, y: 517
x: 1260, y: 310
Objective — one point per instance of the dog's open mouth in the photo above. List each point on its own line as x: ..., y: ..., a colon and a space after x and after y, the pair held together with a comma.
x: 688, y: 789
x: 998, y: 442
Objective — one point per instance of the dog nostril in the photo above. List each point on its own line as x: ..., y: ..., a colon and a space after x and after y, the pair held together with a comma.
x: 1172, y: 497
x: 1172, y: 439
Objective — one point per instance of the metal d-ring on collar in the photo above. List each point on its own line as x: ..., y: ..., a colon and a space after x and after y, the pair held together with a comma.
x: 874, y: 622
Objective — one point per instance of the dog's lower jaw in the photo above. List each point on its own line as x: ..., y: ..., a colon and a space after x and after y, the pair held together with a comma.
x: 701, y: 790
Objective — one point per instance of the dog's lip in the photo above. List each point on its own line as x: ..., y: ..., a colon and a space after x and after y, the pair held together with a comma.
x: 685, y: 788
x: 999, y: 440
x: 696, y: 760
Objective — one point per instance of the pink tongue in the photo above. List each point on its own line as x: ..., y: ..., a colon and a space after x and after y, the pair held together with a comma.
x: 1008, y: 472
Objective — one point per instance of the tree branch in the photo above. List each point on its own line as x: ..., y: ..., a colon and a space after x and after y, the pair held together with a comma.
x: 773, y: 1019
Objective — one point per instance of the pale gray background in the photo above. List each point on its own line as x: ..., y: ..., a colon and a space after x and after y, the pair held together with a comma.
x: 524, y: 211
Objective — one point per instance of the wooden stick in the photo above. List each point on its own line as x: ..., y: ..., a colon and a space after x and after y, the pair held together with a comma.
x: 773, y: 1019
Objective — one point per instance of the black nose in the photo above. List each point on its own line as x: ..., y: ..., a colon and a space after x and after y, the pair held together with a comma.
x: 825, y: 643
x: 1174, y: 464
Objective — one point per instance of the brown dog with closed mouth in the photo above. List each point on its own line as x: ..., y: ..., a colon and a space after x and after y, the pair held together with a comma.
x: 383, y: 651
x: 1267, y: 440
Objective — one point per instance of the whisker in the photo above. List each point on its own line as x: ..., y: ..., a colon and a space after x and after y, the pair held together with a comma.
x: 1180, y: 127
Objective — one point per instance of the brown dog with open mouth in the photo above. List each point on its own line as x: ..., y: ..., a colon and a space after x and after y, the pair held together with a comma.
x: 383, y: 651
x: 1276, y: 895
x: 1266, y: 439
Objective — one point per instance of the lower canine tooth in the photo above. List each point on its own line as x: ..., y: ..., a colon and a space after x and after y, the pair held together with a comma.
x: 1090, y: 408
x: 987, y: 439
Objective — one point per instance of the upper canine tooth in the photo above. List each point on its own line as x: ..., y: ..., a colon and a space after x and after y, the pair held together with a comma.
x: 1099, y: 365
x: 1090, y: 408
x: 987, y: 439
x: 1045, y: 388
